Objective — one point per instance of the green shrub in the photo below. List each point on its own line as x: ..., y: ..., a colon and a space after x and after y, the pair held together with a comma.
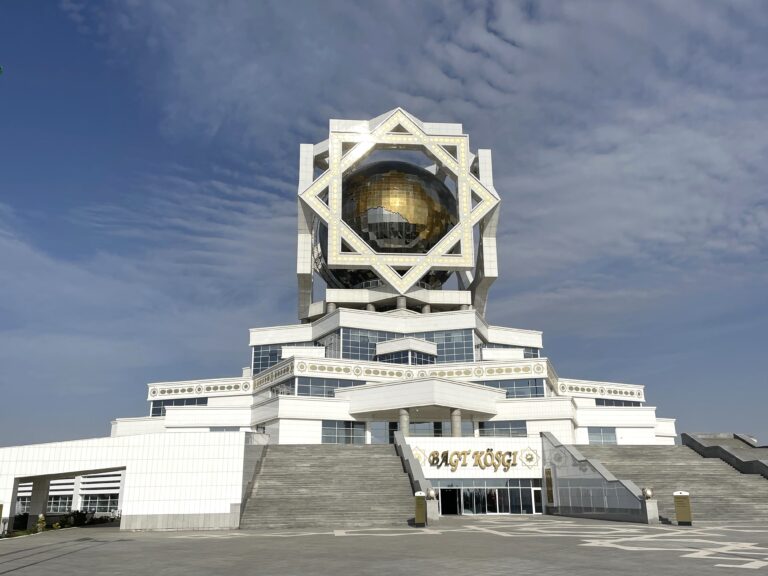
x: 78, y: 518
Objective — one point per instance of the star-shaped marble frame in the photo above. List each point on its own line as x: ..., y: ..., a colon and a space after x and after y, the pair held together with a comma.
x: 347, y: 148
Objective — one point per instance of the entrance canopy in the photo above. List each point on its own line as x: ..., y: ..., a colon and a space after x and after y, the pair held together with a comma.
x: 385, y: 399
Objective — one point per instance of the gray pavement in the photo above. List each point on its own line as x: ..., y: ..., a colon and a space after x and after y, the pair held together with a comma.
x: 483, y: 545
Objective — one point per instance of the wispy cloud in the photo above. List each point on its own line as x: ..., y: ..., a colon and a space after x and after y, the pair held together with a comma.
x: 629, y: 147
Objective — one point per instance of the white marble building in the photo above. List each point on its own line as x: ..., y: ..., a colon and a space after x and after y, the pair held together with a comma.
x: 398, y: 340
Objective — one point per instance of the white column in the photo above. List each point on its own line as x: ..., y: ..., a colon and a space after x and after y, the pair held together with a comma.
x: 405, y: 421
x: 39, y: 501
x: 9, y: 509
x: 455, y: 422
x: 120, y: 494
x: 77, y: 498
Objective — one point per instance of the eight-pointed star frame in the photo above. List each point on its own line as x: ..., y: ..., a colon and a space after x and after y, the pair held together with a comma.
x: 360, y: 143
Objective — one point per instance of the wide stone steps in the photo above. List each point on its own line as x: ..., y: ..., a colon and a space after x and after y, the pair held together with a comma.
x: 718, y: 492
x: 738, y: 447
x: 330, y: 487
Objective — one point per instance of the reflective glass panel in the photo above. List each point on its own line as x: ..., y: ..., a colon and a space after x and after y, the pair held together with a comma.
x: 503, y: 496
x: 525, y: 494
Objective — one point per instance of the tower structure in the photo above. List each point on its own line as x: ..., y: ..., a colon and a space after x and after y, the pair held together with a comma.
x: 389, y: 234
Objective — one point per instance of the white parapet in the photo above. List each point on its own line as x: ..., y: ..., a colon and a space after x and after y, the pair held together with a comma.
x: 490, y: 354
x: 302, y: 352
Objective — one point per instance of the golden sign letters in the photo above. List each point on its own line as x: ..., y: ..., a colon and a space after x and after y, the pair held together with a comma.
x: 480, y: 458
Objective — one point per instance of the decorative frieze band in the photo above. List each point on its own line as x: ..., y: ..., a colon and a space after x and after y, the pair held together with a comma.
x: 160, y: 391
x: 600, y: 390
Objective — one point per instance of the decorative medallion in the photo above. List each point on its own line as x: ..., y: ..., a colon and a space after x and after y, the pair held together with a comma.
x: 529, y: 457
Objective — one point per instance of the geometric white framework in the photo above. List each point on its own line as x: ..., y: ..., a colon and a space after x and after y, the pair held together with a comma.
x: 349, y: 143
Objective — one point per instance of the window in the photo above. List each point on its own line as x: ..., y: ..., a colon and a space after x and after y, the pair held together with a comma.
x: 407, y: 357
x: 598, y: 435
x: 526, y: 388
x: 159, y: 406
x: 343, y: 432
x: 452, y: 345
x: 99, y: 502
x: 505, y: 428
x: 265, y: 357
x: 438, y: 429
x: 268, y: 355
x: 360, y: 344
x: 325, y: 387
x: 400, y: 357
x: 615, y: 402
x: 284, y: 388
x: 419, y: 358
x: 59, y: 504
x: 383, y: 432
x: 428, y: 429
x: 332, y: 344
x: 22, y: 504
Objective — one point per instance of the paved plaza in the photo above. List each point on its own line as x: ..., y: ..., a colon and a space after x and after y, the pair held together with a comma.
x: 490, y: 545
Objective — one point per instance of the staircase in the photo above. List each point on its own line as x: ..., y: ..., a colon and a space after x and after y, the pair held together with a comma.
x: 718, y: 491
x: 736, y: 446
x: 328, y: 486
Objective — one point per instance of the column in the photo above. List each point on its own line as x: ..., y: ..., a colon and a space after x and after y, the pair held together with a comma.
x: 9, y: 511
x: 330, y: 307
x: 426, y: 309
x: 77, y: 498
x: 455, y: 422
x: 401, y: 302
x: 38, y: 504
x: 370, y: 308
x: 405, y: 421
x: 120, y: 493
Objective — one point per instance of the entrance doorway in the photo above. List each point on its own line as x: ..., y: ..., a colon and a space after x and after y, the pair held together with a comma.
x: 449, y: 501
x: 469, y: 497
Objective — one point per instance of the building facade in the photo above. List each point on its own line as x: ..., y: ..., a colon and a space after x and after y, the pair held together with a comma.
x: 396, y: 234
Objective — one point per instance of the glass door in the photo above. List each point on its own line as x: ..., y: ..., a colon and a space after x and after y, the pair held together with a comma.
x: 492, y: 501
x: 537, y: 508
x: 503, y: 500
x: 467, y: 501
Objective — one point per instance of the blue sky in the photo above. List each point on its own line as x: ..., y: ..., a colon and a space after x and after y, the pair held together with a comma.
x: 148, y: 156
